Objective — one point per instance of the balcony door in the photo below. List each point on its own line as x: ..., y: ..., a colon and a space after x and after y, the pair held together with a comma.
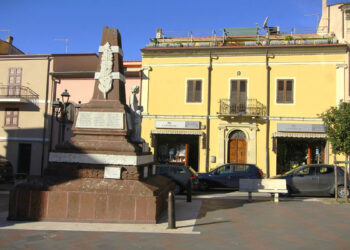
x: 15, y: 80
x: 238, y: 96
x: 237, y: 147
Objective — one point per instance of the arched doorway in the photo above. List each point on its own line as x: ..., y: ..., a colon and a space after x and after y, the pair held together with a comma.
x: 237, y: 147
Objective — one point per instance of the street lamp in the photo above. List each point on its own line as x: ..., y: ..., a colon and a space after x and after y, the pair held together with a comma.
x: 61, y: 110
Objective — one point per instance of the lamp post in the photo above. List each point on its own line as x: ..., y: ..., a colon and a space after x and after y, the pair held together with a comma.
x: 61, y: 113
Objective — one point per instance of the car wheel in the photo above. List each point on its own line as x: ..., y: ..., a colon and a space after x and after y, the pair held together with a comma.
x: 203, y: 186
x: 177, y: 189
x: 341, y: 192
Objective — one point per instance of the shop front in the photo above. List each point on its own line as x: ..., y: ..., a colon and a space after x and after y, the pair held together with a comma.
x: 174, y: 143
x: 299, y: 144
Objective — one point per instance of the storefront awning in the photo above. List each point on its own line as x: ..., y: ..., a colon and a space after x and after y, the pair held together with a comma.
x: 299, y: 135
x: 175, y: 132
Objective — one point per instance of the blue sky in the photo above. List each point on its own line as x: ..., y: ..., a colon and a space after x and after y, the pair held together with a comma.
x: 35, y: 24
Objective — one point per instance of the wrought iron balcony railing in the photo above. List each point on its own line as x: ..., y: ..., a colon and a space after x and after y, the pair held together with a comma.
x: 251, y: 107
x: 17, y: 91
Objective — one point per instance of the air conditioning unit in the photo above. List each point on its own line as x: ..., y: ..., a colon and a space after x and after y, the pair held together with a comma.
x: 274, y: 30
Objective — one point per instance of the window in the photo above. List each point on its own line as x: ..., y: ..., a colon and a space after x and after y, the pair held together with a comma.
x: 285, y: 91
x: 15, y: 76
x: 15, y: 80
x: 306, y: 171
x: 194, y: 91
x: 241, y: 168
x: 224, y: 170
x: 11, y: 117
x: 326, y: 170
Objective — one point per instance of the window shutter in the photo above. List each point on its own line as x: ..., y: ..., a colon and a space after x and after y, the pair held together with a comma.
x: 198, y: 97
x: 234, y: 91
x: 189, y: 91
x: 11, y: 117
x: 280, y: 88
x: 243, y: 91
x: 289, y: 91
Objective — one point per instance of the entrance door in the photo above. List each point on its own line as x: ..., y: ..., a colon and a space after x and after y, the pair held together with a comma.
x: 24, y: 156
x: 237, y: 148
x: 238, y: 151
x: 238, y: 96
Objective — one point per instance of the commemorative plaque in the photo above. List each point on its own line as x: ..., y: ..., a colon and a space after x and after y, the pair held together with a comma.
x: 112, y: 173
x: 102, y: 120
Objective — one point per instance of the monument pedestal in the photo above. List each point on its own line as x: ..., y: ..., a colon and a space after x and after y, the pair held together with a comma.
x: 80, y: 192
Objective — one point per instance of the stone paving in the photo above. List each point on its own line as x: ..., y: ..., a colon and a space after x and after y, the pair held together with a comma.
x: 218, y: 221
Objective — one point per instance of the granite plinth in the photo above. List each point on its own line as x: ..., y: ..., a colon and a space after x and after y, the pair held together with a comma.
x: 90, y: 199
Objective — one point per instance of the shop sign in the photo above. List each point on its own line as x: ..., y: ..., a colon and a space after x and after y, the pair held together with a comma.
x: 297, y: 127
x: 178, y: 124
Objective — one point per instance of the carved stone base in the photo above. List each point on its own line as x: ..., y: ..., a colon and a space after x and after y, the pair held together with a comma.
x: 90, y: 199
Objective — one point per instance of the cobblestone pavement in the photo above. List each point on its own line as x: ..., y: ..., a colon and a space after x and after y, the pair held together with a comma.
x: 222, y: 223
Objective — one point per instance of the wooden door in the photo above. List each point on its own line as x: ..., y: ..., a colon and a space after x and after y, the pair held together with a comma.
x: 237, y: 151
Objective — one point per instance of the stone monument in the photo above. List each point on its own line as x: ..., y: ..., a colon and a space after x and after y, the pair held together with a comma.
x: 102, y: 174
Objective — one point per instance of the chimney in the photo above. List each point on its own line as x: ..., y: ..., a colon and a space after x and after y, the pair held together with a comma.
x: 159, y: 33
x: 9, y: 39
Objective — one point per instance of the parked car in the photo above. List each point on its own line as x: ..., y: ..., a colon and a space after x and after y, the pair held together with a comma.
x: 314, y: 179
x: 228, y: 175
x: 182, y: 176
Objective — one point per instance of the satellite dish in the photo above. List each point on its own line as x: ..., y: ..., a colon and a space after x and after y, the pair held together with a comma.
x: 265, y: 23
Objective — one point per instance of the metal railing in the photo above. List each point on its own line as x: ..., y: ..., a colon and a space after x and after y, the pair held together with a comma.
x: 251, y: 107
x: 17, y: 91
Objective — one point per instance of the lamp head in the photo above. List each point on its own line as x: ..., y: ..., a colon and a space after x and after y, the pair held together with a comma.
x: 65, y: 96
x: 56, y: 104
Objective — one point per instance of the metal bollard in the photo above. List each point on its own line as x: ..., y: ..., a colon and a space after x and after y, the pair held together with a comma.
x: 171, y: 210
x: 189, y: 192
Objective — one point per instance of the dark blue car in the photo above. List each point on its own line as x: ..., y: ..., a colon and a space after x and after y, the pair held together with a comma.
x: 228, y: 175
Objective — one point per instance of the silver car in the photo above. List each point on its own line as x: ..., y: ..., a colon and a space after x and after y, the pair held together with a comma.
x: 314, y: 179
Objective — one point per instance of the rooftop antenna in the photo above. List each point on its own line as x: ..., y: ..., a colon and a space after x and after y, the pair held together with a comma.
x: 8, y: 31
x: 264, y: 27
x: 317, y: 15
x: 265, y: 23
x: 63, y: 39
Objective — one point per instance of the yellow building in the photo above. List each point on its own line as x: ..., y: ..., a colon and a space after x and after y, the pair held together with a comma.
x: 241, y: 98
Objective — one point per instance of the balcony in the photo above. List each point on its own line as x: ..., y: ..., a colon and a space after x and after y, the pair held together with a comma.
x: 17, y: 94
x: 251, y: 107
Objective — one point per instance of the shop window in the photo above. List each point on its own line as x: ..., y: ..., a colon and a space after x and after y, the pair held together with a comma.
x: 285, y: 91
x: 194, y: 91
x: 11, y: 117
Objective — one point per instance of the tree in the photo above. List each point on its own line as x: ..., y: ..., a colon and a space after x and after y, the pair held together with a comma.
x: 337, y: 125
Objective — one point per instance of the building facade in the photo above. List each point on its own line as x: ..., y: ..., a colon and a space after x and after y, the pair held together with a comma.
x: 255, y: 99
x: 24, y: 111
